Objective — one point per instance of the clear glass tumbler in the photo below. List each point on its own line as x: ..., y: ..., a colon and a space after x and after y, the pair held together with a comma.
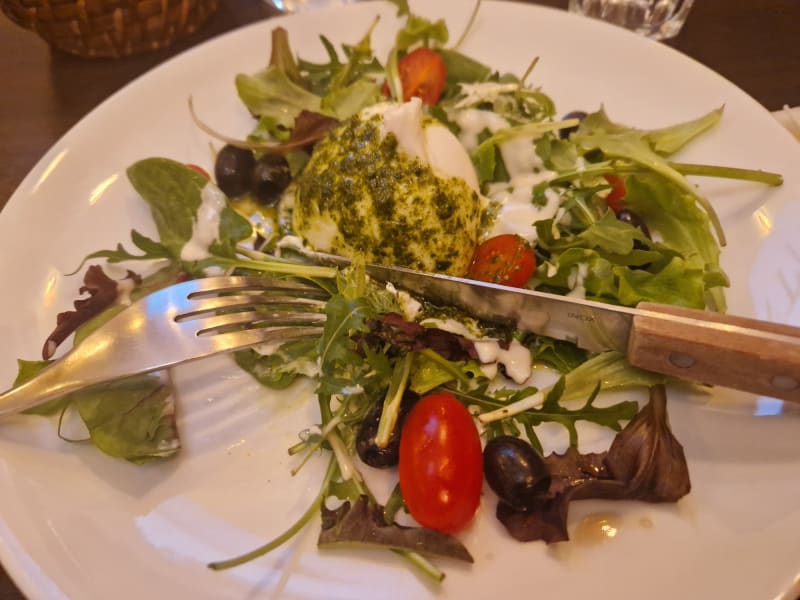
x: 293, y: 6
x: 657, y: 19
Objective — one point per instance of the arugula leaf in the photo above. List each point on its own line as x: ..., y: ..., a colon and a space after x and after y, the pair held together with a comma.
x: 430, y: 370
x: 668, y: 140
x: 340, y: 365
x: 282, y: 58
x: 617, y: 141
x: 552, y: 411
x: 151, y: 249
x: 419, y: 30
x: 562, y: 356
x: 402, y: 7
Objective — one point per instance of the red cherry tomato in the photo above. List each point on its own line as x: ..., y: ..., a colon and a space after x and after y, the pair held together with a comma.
x: 423, y: 74
x: 199, y: 169
x: 616, y: 193
x: 505, y: 259
x: 441, y: 466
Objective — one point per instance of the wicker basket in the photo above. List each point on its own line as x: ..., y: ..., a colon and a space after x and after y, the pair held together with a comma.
x: 109, y: 28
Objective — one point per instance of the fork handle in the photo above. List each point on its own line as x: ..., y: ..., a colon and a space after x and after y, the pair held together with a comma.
x: 58, y: 379
x: 737, y: 352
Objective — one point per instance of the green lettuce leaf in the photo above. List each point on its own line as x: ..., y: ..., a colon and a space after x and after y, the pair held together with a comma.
x: 597, y: 132
x: 347, y: 101
x: 680, y: 283
x: 669, y: 140
x: 271, y: 93
x: 173, y: 192
x: 281, y: 368
x: 27, y: 370
x: 133, y: 418
x: 682, y: 225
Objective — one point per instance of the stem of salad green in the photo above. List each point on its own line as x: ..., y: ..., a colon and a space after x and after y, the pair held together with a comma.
x: 470, y: 23
x: 277, y: 266
x: 391, y: 405
x: 528, y: 129
x: 445, y: 364
x: 528, y: 71
x: 773, y: 179
x: 313, y: 508
x: 532, y: 401
x: 393, y: 76
x: 423, y: 564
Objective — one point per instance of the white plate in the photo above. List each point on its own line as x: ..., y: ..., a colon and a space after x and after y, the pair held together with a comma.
x: 75, y: 523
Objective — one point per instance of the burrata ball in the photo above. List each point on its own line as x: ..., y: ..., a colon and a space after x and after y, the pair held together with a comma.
x: 394, y: 187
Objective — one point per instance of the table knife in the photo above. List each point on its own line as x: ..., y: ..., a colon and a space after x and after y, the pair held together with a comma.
x: 701, y: 346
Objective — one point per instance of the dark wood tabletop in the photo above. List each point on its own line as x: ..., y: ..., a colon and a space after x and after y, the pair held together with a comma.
x: 753, y: 43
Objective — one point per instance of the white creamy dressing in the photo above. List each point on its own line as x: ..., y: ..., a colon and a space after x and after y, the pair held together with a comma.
x: 431, y: 143
x: 486, y: 91
x: 474, y: 122
x: 576, y: 280
x: 124, y: 288
x: 206, y: 226
x: 516, y: 359
x: 516, y: 211
x: 408, y: 305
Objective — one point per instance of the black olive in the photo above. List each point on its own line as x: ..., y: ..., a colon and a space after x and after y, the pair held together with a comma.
x: 515, y: 471
x: 575, y: 114
x: 233, y: 170
x: 631, y: 218
x: 270, y: 177
x: 371, y: 453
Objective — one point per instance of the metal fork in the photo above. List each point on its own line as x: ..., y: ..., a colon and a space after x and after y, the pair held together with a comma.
x: 184, y: 322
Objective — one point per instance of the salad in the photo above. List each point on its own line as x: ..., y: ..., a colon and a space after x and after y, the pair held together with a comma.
x: 429, y: 159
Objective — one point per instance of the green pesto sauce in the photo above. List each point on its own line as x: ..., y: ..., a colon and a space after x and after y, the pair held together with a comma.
x: 359, y: 196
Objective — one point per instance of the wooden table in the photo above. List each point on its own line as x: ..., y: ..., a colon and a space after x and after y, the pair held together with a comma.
x: 754, y: 43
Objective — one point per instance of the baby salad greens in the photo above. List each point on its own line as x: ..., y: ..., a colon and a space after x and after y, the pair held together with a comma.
x: 581, y: 205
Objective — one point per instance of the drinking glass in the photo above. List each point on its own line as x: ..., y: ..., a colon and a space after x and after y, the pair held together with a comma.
x: 293, y: 6
x: 657, y: 19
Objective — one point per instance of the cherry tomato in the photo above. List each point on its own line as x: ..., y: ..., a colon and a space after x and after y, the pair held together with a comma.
x: 616, y: 193
x: 423, y: 74
x: 441, y: 465
x: 199, y: 169
x: 506, y: 259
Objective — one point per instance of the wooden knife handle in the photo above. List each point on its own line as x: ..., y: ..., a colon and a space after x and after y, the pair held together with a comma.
x: 706, y: 347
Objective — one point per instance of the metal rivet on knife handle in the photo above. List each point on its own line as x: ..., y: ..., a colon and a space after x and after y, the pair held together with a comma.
x: 785, y: 382
x: 736, y: 352
x: 682, y: 361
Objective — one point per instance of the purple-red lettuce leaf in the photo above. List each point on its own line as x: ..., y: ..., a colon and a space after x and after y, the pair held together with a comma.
x: 645, y: 462
x: 362, y: 524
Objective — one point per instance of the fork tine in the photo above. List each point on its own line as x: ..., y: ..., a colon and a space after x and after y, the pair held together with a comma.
x: 254, y: 318
x: 238, y: 340
x: 201, y: 306
x: 225, y: 284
